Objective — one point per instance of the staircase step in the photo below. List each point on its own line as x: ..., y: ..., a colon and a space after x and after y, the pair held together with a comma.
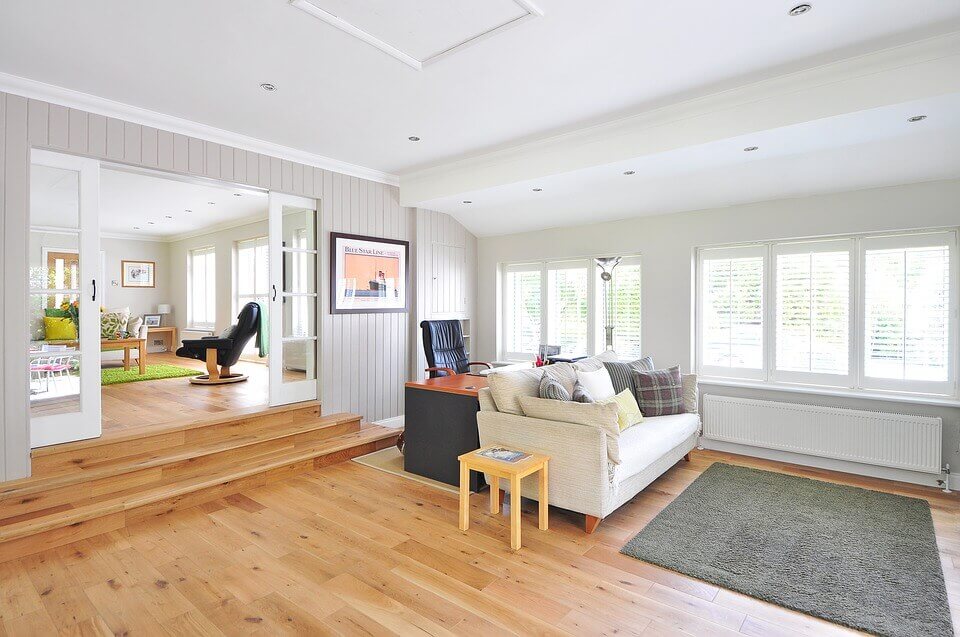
x: 62, y: 526
x: 34, y: 494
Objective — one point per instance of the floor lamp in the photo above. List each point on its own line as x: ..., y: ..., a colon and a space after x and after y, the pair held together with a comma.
x: 606, y: 265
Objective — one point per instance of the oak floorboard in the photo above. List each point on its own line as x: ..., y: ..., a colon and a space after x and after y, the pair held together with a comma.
x: 348, y: 550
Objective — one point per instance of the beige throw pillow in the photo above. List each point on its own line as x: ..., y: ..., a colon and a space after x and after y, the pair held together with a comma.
x: 600, y: 415
x: 593, y: 363
x: 690, y: 392
x: 507, y: 387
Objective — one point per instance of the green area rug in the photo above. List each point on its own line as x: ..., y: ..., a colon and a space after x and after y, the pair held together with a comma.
x: 860, y: 558
x: 117, y: 375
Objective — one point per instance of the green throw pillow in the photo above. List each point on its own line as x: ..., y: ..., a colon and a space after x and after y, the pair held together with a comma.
x: 111, y: 324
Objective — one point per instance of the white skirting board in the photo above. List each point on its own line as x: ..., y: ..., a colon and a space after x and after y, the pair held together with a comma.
x: 396, y: 422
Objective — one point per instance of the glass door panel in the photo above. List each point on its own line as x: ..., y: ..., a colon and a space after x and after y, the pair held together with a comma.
x: 63, y: 308
x: 294, y: 346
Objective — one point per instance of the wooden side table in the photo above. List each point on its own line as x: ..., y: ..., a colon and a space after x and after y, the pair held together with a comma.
x: 512, y: 471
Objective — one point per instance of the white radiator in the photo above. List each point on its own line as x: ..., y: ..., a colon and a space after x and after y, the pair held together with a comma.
x: 870, y: 437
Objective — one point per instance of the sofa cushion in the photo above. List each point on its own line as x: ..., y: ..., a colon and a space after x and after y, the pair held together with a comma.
x: 134, y: 325
x: 628, y: 412
x: 600, y: 415
x: 691, y: 393
x: 58, y: 328
x: 564, y: 373
x: 507, y: 387
x: 551, y: 389
x: 597, y: 384
x: 644, y: 444
x: 580, y: 395
x: 659, y: 392
x: 593, y: 363
x: 621, y: 372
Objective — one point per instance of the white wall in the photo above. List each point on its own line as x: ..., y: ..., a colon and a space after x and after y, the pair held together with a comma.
x: 139, y: 300
x: 224, y: 242
x: 667, y: 242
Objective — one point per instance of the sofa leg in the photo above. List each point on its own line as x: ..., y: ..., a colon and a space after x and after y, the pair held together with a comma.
x: 686, y: 457
x: 590, y: 523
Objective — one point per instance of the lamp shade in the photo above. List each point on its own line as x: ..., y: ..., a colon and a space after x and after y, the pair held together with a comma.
x: 164, y: 308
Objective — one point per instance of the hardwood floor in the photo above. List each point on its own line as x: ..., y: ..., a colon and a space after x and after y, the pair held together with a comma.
x: 350, y: 550
x: 158, y: 402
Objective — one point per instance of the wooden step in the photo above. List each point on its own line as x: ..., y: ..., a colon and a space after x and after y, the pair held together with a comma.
x: 84, y: 519
x: 110, y: 476
x: 187, y: 434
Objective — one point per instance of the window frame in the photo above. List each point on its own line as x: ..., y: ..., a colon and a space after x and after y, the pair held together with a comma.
x: 595, y: 338
x: 192, y: 323
x: 239, y: 300
x: 855, y: 382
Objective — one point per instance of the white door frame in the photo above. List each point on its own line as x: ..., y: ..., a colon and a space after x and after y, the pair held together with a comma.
x: 282, y: 393
x: 54, y: 429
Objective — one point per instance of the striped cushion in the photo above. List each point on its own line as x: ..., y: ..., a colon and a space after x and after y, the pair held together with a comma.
x: 581, y: 395
x: 660, y: 392
x: 552, y: 389
x: 621, y: 373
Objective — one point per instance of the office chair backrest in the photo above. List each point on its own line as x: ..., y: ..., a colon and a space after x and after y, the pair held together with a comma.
x: 444, y: 347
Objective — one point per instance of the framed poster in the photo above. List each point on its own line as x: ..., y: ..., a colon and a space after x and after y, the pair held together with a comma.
x: 367, y: 274
x: 138, y: 274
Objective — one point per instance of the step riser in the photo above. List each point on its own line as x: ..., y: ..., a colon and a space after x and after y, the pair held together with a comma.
x: 165, y: 474
x: 113, y: 521
x: 47, y: 463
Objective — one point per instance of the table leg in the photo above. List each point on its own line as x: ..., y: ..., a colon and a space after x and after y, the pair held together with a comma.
x: 515, y: 499
x: 544, y: 498
x: 464, y: 496
x: 142, y: 359
x: 494, y: 494
x: 126, y: 358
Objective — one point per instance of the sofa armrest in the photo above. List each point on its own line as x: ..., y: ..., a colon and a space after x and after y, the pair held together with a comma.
x: 579, y: 474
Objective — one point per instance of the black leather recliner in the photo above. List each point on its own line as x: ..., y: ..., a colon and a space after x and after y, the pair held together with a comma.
x: 223, y: 350
x: 444, y: 348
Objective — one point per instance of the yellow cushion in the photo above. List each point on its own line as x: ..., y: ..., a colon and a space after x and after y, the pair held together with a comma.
x: 59, y: 328
x: 628, y: 411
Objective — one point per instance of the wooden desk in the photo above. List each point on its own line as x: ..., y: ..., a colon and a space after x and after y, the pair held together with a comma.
x: 440, y: 424
x: 169, y: 335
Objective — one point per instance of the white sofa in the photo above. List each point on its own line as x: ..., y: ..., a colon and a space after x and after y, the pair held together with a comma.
x: 584, y: 476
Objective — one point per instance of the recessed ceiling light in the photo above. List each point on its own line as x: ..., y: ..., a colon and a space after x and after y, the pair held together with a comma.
x: 467, y: 201
x: 268, y: 87
x: 188, y: 211
x: 750, y: 149
x: 800, y: 9
x: 169, y: 217
x: 238, y: 194
x: 629, y: 172
x: 414, y: 138
x: 917, y: 118
x: 136, y: 227
x: 538, y: 190
x: 212, y: 203
x: 150, y: 223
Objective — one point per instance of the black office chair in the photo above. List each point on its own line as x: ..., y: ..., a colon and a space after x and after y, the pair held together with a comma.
x: 223, y: 350
x: 445, y: 350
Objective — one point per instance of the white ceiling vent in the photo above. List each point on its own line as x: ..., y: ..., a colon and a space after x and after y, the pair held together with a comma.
x: 418, y: 32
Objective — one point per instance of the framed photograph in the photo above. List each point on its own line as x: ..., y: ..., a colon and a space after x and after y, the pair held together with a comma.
x: 151, y: 320
x: 138, y: 274
x: 367, y: 274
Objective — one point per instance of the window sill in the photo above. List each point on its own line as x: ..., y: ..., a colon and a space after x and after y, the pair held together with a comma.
x: 915, y: 399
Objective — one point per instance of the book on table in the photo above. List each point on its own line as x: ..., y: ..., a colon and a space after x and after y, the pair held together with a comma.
x: 503, y: 455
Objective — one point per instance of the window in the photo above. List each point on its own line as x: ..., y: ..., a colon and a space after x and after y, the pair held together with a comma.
x: 202, y: 288
x: 561, y: 303
x: 732, y: 316
x: 252, y: 279
x: 522, y: 296
x: 862, y: 312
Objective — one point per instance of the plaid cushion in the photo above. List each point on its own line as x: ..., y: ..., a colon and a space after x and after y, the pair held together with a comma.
x: 621, y: 373
x: 660, y: 392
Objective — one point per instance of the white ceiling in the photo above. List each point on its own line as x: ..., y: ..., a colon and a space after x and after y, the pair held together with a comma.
x: 145, y: 206
x: 339, y: 97
x: 866, y: 149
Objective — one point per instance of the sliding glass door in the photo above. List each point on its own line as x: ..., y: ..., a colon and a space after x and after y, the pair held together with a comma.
x: 294, y: 346
x: 64, y: 299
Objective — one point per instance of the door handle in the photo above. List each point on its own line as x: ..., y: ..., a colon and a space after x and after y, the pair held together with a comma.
x: 274, y: 292
x: 94, y: 298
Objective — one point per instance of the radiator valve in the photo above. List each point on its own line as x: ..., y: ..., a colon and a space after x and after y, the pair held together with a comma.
x: 945, y: 483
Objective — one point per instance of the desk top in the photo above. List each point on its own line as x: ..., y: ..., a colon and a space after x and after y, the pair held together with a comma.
x: 463, y: 384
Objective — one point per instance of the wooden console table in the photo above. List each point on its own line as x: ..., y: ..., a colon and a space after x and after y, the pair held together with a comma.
x: 169, y: 336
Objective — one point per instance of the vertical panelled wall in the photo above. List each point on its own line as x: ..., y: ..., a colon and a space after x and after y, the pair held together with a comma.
x: 446, y: 276
x: 364, y: 357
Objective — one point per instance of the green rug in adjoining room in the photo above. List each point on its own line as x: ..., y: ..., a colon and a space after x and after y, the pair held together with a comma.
x: 860, y: 558
x: 117, y: 375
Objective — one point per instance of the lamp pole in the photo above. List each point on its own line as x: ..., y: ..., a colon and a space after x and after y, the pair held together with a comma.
x: 607, y: 265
